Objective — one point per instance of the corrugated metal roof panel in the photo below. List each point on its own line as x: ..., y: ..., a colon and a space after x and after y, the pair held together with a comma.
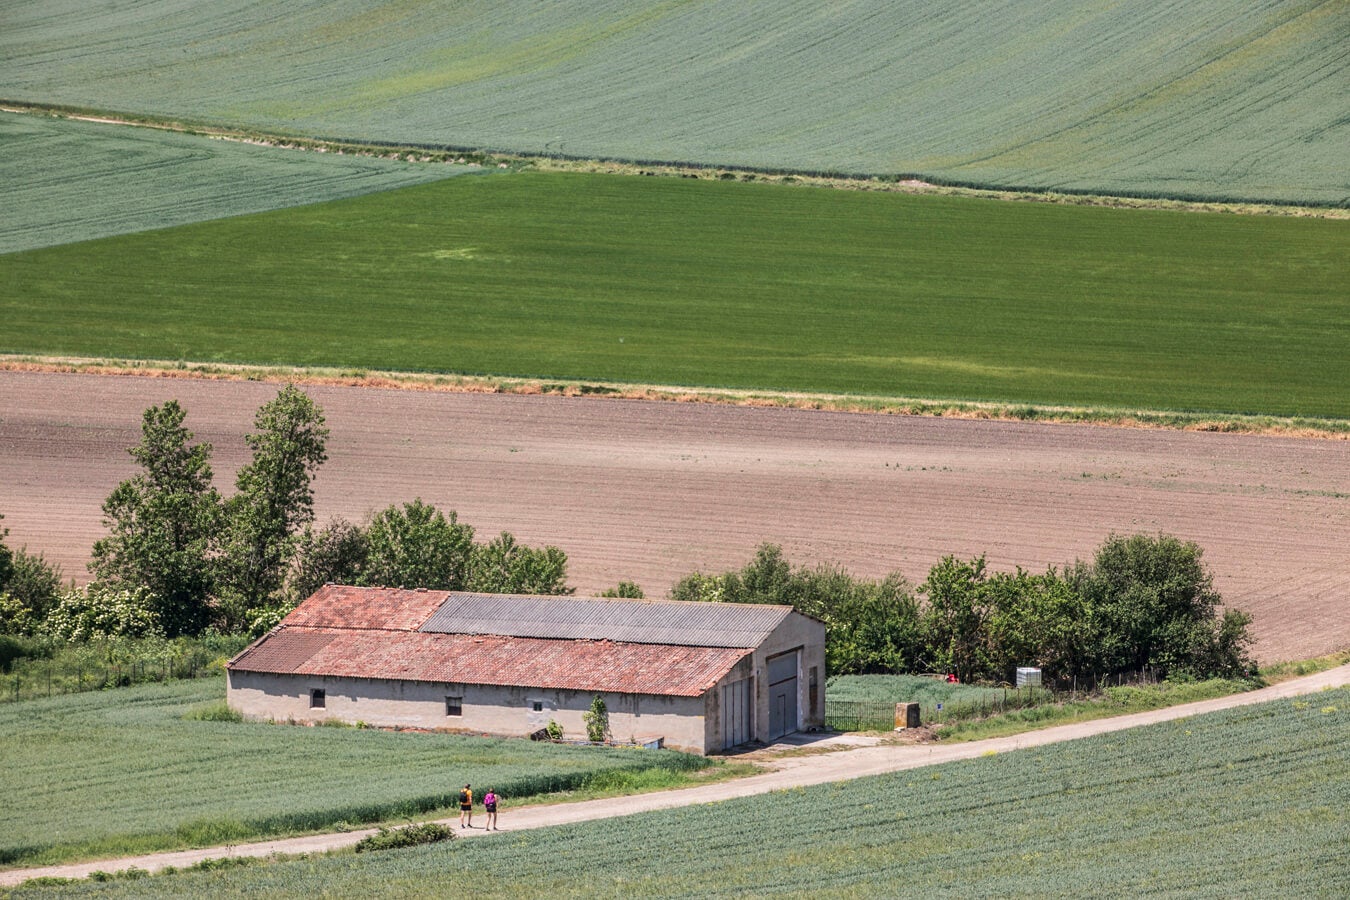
x: 670, y: 622
x: 680, y: 671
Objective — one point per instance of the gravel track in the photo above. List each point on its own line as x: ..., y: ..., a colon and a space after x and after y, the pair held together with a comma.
x: 649, y: 491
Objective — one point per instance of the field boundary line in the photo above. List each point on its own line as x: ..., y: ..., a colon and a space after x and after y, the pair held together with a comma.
x: 789, y: 773
x: 903, y: 183
x: 1157, y: 420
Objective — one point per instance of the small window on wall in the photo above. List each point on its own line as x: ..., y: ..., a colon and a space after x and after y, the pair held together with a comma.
x: 537, y: 705
x: 454, y: 706
x: 317, y: 698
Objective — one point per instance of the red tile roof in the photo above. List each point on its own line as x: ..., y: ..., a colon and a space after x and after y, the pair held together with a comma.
x: 581, y: 665
x: 341, y: 606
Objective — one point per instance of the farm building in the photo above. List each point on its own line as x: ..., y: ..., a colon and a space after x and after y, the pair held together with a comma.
x: 702, y: 677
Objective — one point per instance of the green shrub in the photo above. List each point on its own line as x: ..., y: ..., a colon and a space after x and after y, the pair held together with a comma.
x: 597, y: 720
x: 34, y: 582
x: 98, y: 611
x: 218, y: 711
x: 411, y: 836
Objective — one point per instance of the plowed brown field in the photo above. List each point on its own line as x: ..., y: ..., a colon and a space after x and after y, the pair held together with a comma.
x: 650, y: 491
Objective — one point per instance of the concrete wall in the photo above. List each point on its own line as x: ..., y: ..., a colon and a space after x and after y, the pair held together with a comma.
x: 797, y: 632
x: 486, y: 709
x: 686, y: 723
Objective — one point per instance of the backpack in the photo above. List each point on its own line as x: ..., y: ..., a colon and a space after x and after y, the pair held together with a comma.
x: 463, y: 797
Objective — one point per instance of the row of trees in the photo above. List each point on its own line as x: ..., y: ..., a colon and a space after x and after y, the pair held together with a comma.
x: 1142, y: 602
x: 179, y: 558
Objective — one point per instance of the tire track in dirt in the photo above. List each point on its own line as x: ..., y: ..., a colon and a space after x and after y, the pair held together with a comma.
x: 649, y: 491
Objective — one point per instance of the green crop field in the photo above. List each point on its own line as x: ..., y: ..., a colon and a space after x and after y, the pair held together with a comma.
x: 697, y: 282
x: 69, y: 181
x: 1198, y: 98
x: 906, y: 689
x: 115, y: 772
x: 1244, y: 803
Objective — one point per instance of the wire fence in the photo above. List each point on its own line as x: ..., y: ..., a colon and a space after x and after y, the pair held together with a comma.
x: 48, y: 678
x: 72, y: 672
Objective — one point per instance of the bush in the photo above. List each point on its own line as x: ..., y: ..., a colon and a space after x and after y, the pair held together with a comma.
x: 1144, y: 602
x: 17, y: 647
x: 34, y: 582
x: 337, y: 553
x: 628, y: 590
x: 98, y: 611
x: 218, y: 711
x: 417, y: 545
x: 15, y: 617
x: 597, y: 721
x: 411, y: 836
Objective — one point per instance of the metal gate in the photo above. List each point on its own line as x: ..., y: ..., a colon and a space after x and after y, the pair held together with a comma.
x: 782, y: 694
x: 738, y: 713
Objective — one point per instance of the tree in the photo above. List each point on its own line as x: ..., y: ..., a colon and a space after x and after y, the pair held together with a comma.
x: 15, y: 617
x: 275, y: 499
x: 627, y: 590
x: 699, y: 588
x: 34, y: 582
x: 1156, y: 607
x: 337, y: 553
x: 953, y: 620
x: 874, y: 628
x: 1037, y: 620
x: 418, y: 546
x: 6, y: 556
x: 503, y: 566
x: 162, y: 522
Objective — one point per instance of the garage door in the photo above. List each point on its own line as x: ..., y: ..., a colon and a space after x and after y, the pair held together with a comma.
x: 737, y: 713
x: 782, y: 694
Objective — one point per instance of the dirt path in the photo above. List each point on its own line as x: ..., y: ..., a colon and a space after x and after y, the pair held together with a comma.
x: 651, y: 491
x: 786, y: 772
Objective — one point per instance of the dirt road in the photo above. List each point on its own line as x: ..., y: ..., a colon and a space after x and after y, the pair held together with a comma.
x: 786, y: 772
x: 650, y: 491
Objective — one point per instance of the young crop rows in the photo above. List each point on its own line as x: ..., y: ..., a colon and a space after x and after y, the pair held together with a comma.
x: 124, y: 772
x: 1248, y: 802
x: 672, y: 281
x: 68, y: 181
x: 1198, y: 98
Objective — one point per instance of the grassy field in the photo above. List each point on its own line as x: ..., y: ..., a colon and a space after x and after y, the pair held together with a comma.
x: 119, y: 772
x: 1246, y: 802
x: 69, y: 181
x: 906, y: 689
x: 727, y: 284
x: 1197, y: 98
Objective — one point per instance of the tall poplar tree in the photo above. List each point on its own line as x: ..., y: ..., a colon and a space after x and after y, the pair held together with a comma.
x: 275, y: 500
x: 162, y: 522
